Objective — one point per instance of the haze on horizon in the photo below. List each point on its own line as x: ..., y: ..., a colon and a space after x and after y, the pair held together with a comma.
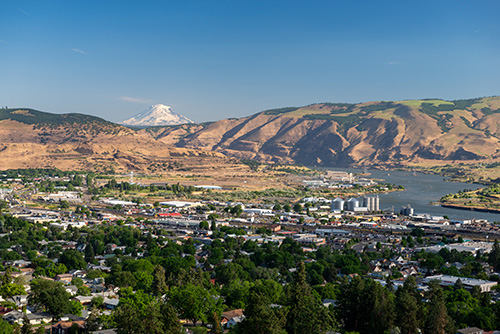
x: 211, y: 60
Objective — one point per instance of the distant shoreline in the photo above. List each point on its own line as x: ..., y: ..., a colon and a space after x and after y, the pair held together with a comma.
x: 469, y: 208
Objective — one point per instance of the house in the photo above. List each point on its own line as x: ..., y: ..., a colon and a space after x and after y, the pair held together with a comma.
x: 63, y: 327
x: 78, y: 273
x: 470, y: 330
x: 14, y: 317
x: 64, y: 278
x: 4, y: 310
x: 84, y: 300
x: 19, y: 300
x: 71, y: 289
x: 231, y: 318
x: 111, y: 303
x: 39, y: 318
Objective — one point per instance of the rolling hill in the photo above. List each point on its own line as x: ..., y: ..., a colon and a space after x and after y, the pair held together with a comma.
x: 35, y: 139
x: 383, y: 133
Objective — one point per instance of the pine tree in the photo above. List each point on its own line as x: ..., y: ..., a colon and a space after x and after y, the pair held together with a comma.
x: 171, y: 323
x: 407, y: 307
x: 437, y: 317
x: 494, y: 257
x: 89, y: 253
x: 260, y: 316
x: 365, y: 306
x: 306, y: 313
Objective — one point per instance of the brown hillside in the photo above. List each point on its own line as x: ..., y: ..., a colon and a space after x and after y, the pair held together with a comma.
x: 386, y: 134
x: 376, y: 133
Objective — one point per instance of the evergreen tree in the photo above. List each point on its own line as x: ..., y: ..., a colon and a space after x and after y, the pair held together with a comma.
x: 350, y: 303
x: 260, y: 316
x: 365, y: 306
x: 89, y: 253
x: 494, y: 257
x: 407, y: 307
x: 306, y: 313
x: 171, y: 323
x: 437, y: 316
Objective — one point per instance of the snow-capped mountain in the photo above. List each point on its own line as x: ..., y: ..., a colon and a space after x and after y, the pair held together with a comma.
x: 155, y: 115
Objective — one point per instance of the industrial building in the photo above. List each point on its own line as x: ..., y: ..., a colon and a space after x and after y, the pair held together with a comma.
x: 468, y: 283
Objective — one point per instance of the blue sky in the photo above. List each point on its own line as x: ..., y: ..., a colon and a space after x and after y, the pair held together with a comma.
x: 216, y: 59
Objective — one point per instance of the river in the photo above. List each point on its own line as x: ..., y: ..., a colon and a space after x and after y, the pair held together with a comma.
x: 420, y: 190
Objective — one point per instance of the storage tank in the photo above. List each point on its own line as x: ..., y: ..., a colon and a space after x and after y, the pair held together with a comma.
x: 372, y: 203
x: 338, y: 204
x: 352, y: 203
x: 407, y: 210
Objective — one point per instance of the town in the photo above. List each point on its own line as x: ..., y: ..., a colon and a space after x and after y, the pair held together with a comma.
x: 84, y: 253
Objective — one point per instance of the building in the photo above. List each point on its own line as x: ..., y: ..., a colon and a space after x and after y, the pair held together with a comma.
x: 338, y: 204
x: 470, y: 330
x: 329, y: 232
x: 372, y: 203
x: 468, y: 283
x: 352, y: 204
x: 407, y: 210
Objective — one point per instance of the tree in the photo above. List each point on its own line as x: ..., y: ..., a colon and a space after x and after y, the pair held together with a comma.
x: 49, y: 295
x: 72, y: 259
x: 97, y: 302
x: 5, y: 327
x: 11, y: 289
x: 159, y: 285
x: 407, y: 307
x: 204, y: 225
x: 237, y: 210
x: 287, y: 208
x: 3, y: 205
x: 260, y: 316
x: 138, y: 313
x: 89, y: 253
x: 215, y: 322
x: 297, y: 208
x: 437, y: 317
x: 26, y: 328
x: 63, y: 204
x: 131, y: 319
x: 306, y: 313
x: 494, y: 257
x: 171, y: 323
x: 365, y: 306
x: 75, y: 308
x: 92, y: 323
x: 194, y: 302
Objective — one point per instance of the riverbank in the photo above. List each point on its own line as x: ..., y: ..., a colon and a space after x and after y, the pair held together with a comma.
x: 469, y: 208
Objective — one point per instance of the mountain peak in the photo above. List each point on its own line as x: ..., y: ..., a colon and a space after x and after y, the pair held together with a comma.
x: 157, y: 115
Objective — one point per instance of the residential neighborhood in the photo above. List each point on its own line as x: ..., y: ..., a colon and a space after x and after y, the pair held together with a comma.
x: 72, y: 263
